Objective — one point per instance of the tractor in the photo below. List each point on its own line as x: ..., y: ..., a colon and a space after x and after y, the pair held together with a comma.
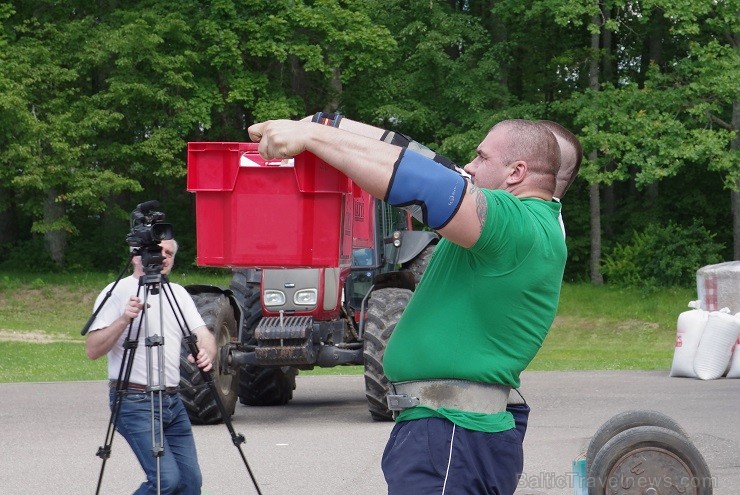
x: 273, y: 322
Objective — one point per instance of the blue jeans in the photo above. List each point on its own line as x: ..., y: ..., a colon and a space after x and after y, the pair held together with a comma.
x: 179, y: 470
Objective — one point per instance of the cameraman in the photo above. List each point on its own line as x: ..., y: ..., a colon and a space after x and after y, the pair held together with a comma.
x: 179, y: 469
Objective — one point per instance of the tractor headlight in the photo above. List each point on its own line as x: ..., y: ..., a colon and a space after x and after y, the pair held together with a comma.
x: 306, y: 297
x: 274, y: 298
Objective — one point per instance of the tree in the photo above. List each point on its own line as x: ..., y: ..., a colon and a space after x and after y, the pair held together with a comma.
x: 655, y: 116
x: 98, y: 100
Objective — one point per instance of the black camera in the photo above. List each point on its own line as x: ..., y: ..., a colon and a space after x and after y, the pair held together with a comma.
x: 148, y: 229
x: 147, y: 226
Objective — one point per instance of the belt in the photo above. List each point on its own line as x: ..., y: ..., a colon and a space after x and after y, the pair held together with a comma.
x: 463, y: 395
x: 142, y: 388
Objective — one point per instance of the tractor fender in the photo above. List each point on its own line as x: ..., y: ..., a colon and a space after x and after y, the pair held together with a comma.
x: 413, y: 242
x: 214, y: 289
x: 399, y: 280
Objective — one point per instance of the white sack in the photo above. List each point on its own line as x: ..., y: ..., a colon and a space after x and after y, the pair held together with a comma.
x: 734, y: 369
x: 689, y: 329
x: 717, y: 343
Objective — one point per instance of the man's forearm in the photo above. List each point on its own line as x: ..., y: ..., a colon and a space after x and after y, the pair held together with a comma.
x: 397, y: 139
x: 368, y: 162
x: 100, y: 342
x: 362, y: 129
x: 371, y: 165
x: 206, y: 341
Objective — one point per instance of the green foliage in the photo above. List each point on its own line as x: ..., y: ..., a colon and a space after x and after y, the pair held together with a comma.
x: 30, y: 255
x: 98, y: 101
x: 640, y: 134
x: 662, y: 256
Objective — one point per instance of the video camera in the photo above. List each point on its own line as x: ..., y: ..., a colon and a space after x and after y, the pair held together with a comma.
x: 148, y: 229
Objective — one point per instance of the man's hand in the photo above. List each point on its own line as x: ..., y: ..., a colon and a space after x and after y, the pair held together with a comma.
x: 100, y: 341
x: 206, y: 349
x: 279, y: 139
x: 203, y: 361
x: 133, y: 308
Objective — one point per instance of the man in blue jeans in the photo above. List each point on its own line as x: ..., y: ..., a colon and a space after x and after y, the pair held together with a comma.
x: 179, y: 471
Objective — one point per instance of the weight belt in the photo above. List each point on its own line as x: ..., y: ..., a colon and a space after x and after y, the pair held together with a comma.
x: 463, y: 395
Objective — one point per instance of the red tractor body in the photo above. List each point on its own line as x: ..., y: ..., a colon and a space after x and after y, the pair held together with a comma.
x: 312, y: 254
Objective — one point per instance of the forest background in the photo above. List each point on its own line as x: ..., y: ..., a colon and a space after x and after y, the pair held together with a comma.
x: 99, y: 99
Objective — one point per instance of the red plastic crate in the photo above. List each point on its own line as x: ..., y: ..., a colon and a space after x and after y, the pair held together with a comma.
x: 255, y: 213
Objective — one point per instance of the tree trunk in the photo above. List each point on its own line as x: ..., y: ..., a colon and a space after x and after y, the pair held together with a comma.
x: 609, y: 199
x: 735, y: 146
x: 594, y: 197
x: 736, y: 194
x: 55, y: 238
x: 336, y: 91
x: 608, y: 74
x: 595, y: 203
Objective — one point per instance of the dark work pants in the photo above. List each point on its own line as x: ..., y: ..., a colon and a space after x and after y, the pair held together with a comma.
x: 433, y: 456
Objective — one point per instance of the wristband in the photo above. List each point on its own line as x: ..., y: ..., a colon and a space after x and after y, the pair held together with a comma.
x: 331, y: 119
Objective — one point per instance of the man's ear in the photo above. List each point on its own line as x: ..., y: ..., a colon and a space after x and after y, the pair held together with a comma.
x: 518, y: 173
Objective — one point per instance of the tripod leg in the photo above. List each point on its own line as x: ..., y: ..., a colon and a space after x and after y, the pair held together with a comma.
x: 155, y: 359
x: 117, y: 394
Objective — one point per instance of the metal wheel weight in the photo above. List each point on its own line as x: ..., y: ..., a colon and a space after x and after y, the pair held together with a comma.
x: 649, y: 460
x: 626, y: 420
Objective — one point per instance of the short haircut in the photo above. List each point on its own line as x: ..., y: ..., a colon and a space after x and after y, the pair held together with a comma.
x: 566, y: 136
x: 533, y: 143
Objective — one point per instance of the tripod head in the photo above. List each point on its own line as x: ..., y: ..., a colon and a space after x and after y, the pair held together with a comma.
x: 151, y: 262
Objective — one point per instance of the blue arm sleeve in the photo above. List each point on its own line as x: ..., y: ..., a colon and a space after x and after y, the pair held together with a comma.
x: 418, y: 180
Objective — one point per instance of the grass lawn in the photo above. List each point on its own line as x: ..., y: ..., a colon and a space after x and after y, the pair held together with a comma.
x: 606, y: 328
x: 597, y: 328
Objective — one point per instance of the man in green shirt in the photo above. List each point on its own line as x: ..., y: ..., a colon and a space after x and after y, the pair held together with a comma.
x: 484, y: 306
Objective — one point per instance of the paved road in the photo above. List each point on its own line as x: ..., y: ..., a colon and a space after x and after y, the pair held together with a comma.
x: 324, y: 442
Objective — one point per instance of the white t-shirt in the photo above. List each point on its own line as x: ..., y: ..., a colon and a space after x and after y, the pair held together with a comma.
x: 560, y: 216
x: 169, y: 329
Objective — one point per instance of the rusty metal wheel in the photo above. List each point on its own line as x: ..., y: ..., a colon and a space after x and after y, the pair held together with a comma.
x: 649, y: 460
x: 624, y: 421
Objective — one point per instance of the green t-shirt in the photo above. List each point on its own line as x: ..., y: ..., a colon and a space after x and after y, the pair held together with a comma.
x: 481, y: 314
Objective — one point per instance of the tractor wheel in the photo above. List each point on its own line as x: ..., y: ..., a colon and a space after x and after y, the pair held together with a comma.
x: 383, y: 312
x: 259, y: 386
x: 195, y: 392
x: 624, y: 421
x: 247, y: 295
x: 418, y: 265
x: 649, y: 459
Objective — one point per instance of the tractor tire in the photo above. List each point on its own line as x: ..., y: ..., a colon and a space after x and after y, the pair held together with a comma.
x: 195, y: 392
x: 624, y: 421
x: 247, y: 294
x: 384, y: 309
x: 259, y: 386
x: 418, y: 265
x: 649, y: 459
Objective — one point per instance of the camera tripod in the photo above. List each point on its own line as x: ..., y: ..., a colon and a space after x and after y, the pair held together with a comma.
x: 153, y: 283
